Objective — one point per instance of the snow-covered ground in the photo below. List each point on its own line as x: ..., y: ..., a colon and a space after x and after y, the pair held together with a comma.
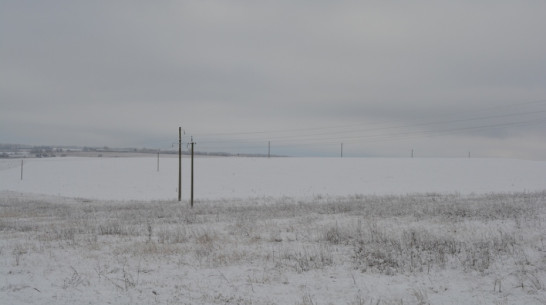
x: 273, y: 231
x: 223, y: 178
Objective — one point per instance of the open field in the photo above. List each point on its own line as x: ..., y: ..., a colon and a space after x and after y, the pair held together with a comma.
x: 301, y: 178
x: 453, y: 244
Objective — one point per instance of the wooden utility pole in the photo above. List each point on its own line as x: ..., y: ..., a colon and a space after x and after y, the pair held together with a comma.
x: 158, y: 160
x: 22, y: 170
x: 191, y: 197
x: 179, y: 163
x: 342, y: 150
x: 269, y: 149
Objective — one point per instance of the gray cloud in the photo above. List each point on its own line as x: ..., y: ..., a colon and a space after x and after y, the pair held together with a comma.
x: 129, y: 73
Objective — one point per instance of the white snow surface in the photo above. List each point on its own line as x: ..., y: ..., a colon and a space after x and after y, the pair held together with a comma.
x: 221, y: 178
x: 296, y: 231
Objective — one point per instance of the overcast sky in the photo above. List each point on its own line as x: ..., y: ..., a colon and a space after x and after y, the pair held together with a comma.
x: 443, y: 78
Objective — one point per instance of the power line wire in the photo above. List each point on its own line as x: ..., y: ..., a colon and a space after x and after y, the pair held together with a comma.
x: 274, y: 131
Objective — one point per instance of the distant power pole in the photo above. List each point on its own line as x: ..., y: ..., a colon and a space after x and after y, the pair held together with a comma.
x: 22, y: 170
x: 158, y: 160
x: 179, y: 163
x: 342, y: 150
x: 269, y: 149
x: 191, y: 198
x: 412, y: 153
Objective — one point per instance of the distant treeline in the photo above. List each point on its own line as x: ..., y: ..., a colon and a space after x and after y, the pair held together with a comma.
x: 20, y: 150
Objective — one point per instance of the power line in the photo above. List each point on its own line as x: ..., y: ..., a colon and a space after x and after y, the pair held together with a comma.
x: 347, y: 133
x: 514, y: 115
x: 371, y: 138
x: 292, y: 130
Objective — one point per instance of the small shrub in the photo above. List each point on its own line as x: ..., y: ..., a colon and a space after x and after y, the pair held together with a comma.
x: 174, y: 235
x: 308, y: 259
x: 18, y: 252
x: 111, y: 228
x: 75, y: 280
x: 333, y: 235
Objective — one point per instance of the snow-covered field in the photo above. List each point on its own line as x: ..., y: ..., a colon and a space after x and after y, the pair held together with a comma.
x: 302, y: 178
x: 273, y: 231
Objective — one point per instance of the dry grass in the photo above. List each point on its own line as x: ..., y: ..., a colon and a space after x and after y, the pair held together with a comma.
x: 390, y: 235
